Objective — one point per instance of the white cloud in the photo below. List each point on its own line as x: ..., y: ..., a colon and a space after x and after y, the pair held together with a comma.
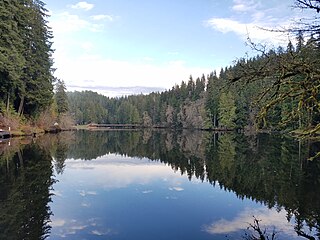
x: 244, y: 6
x: 102, y: 17
x: 86, y: 205
x: 251, y: 18
x: 65, y: 22
x: 83, y: 5
x: 78, y: 227
x: 84, y: 193
x: 87, y: 46
x: 77, y: 65
x: 58, y: 222
x: 147, y: 191
x: 178, y: 189
x: 105, y: 72
x: 255, y: 30
x: 101, y: 233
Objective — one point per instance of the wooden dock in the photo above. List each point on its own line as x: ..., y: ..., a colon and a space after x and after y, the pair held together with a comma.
x: 115, y: 126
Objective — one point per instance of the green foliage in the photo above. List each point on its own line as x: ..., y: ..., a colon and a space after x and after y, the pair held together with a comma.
x: 88, y: 107
x: 212, y: 98
x: 227, y: 110
x: 61, y: 97
x: 25, y: 56
x: 128, y: 113
x: 287, y: 81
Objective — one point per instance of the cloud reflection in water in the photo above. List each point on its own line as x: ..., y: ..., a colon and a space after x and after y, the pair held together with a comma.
x: 270, y: 219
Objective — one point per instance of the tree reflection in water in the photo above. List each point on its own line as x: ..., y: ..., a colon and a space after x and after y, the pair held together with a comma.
x: 272, y: 170
x: 25, y: 182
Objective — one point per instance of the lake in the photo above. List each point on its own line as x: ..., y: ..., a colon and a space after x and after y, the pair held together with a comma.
x: 158, y: 185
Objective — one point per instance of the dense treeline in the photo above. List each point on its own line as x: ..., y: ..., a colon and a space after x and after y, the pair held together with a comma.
x: 214, y: 101
x: 181, y: 105
x: 26, y: 80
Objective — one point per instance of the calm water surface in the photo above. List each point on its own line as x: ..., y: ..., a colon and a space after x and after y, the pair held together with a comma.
x: 158, y: 185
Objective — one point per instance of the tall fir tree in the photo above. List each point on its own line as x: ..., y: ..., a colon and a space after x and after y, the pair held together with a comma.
x: 227, y: 110
x: 38, y: 72
x: 212, y: 98
x: 61, y: 97
x: 11, y: 49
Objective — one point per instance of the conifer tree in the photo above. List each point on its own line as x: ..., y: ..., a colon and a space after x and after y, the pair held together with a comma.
x: 11, y: 45
x: 227, y: 110
x: 38, y: 71
x: 212, y: 98
x: 61, y: 97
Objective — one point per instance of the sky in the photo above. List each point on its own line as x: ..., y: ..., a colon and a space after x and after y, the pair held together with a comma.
x: 123, y: 47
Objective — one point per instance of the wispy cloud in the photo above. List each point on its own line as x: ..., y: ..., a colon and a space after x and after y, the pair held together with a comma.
x: 147, y: 191
x: 103, y: 17
x: 101, y: 233
x: 244, y: 5
x: 58, y: 222
x: 83, y: 5
x: 84, y: 193
x: 256, y: 31
x: 250, y: 18
x: 104, y: 73
x: 113, y: 91
x: 178, y: 189
x: 66, y: 22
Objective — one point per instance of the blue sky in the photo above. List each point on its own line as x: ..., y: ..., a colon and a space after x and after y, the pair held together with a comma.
x: 120, y: 47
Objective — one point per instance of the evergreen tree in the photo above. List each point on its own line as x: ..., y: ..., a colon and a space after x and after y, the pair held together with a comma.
x: 212, y: 98
x: 300, y: 41
x: 227, y: 110
x: 61, y: 97
x: 11, y: 48
x: 190, y: 87
x: 199, y: 87
x: 37, y: 74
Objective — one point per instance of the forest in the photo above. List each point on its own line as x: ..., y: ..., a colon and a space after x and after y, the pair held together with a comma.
x: 277, y: 89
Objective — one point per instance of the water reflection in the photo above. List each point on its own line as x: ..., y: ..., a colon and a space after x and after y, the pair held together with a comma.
x: 25, y: 181
x: 99, y: 171
x: 239, y: 222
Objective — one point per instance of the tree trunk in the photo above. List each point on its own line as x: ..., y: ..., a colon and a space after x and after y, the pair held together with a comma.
x: 8, y: 98
x: 21, y: 106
